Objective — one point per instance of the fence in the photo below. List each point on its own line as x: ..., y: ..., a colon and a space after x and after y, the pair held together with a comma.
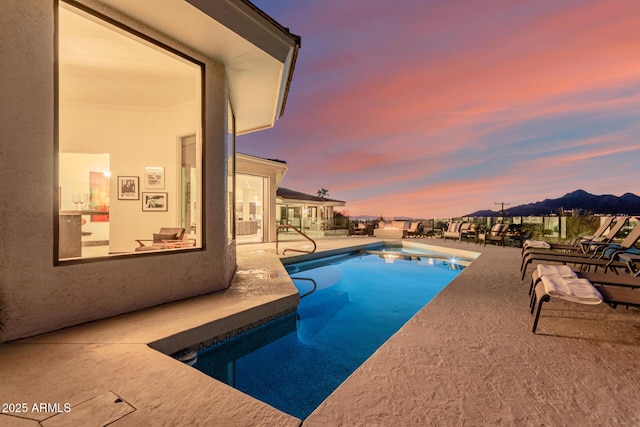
x: 551, y: 228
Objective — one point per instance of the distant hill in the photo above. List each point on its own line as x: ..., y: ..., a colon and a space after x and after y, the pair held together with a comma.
x: 628, y: 204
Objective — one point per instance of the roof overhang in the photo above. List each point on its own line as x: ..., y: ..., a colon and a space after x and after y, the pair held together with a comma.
x: 259, y: 55
x: 245, y: 162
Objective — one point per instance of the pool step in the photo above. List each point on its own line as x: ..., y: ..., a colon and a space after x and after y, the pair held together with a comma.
x: 314, y: 312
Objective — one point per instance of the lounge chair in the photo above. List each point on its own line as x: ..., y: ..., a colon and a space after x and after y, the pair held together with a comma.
x: 606, y: 223
x: 495, y: 234
x: 415, y: 229
x: 165, y: 238
x: 607, y: 254
x: 611, y: 289
x: 612, y: 263
x: 516, y: 235
x: 584, y: 244
x: 593, y: 277
x: 633, y: 262
x: 456, y: 230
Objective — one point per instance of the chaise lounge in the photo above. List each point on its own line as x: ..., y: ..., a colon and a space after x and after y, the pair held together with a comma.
x: 415, y: 229
x: 579, y: 287
x: 581, y: 245
x: 165, y: 238
x: 609, y: 252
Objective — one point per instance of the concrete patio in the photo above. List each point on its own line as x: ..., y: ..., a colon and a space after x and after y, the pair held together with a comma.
x: 467, y: 358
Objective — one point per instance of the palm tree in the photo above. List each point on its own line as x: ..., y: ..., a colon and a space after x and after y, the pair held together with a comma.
x: 323, y: 192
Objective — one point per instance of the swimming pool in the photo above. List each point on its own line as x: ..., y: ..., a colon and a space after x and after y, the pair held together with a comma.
x: 354, y: 303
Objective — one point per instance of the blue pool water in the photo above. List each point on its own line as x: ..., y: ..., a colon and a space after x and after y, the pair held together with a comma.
x: 359, y: 301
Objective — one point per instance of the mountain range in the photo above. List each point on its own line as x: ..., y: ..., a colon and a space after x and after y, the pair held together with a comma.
x: 628, y: 204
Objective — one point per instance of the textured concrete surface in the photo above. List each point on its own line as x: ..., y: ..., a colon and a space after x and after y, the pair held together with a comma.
x: 467, y: 358
x: 76, y: 372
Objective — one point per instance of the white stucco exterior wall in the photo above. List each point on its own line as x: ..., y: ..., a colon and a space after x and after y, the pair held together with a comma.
x: 35, y: 295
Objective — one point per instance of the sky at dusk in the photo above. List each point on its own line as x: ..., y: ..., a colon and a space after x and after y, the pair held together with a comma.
x: 439, y: 108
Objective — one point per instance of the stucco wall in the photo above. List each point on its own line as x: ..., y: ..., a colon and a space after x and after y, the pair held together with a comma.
x: 35, y: 295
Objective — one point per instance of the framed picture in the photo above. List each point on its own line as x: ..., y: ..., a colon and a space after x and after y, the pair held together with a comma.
x: 154, y: 177
x: 154, y: 202
x: 128, y: 188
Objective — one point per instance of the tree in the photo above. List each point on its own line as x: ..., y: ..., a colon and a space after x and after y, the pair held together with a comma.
x: 323, y: 192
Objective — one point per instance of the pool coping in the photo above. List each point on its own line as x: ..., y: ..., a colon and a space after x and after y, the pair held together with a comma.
x: 370, y: 246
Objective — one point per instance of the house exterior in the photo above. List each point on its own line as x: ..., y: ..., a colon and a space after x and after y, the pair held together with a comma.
x: 262, y: 205
x: 257, y: 180
x: 312, y: 214
x: 118, y: 119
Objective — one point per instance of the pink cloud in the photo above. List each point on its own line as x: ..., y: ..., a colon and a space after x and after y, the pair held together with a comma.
x: 410, y: 109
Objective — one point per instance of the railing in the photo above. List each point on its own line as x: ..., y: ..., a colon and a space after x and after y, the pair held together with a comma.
x: 282, y: 227
x: 315, y: 285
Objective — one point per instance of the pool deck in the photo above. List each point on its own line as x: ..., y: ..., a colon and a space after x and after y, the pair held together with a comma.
x: 467, y: 358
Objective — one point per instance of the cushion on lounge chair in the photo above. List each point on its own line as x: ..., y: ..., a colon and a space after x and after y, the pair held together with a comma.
x: 536, y: 244
x: 555, y: 270
x: 571, y: 289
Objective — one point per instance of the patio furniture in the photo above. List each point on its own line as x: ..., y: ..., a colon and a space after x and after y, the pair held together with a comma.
x: 632, y: 260
x: 604, y: 255
x: 361, y: 229
x: 612, y: 289
x: 583, y: 244
x: 496, y: 234
x: 165, y: 238
x: 470, y: 235
x: 456, y: 230
x: 415, y: 229
x: 391, y: 229
x: 566, y: 271
x: 517, y: 238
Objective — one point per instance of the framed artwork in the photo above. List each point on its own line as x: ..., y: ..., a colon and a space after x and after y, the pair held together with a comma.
x: 128, y: 188
x: 154, y: 202
x: 98, y: 196
x: 154, y: 177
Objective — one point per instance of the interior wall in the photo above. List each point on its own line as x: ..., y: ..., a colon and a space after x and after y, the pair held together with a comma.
x: 134, y: 138
x: 36, y: 294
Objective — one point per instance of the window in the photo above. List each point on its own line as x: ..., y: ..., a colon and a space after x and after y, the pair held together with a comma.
x: 129, y: 140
